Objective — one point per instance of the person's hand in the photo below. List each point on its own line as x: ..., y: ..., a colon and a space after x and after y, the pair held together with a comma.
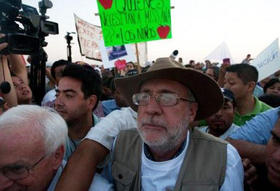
x: 250, y: 173
x: 3, y: 45
x: 223, y: 68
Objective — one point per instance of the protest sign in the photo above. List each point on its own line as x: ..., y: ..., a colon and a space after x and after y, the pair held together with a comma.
x: 113, y: 54
x: 132, y: 21
x: 89, y: 36
x: 268, y: 61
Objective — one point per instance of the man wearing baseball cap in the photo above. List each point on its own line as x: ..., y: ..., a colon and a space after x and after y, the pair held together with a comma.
x: 220, y: 124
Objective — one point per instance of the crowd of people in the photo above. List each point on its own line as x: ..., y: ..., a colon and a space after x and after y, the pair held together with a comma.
x: 168, y: 126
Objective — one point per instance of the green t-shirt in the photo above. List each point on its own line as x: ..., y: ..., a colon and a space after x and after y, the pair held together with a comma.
x: 259, y: 108
x: 241, y: 119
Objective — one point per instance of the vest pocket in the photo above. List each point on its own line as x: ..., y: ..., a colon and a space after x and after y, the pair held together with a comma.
x: 122, y: 176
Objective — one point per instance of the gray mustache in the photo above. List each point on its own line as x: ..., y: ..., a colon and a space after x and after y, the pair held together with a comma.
x: 152, y: 121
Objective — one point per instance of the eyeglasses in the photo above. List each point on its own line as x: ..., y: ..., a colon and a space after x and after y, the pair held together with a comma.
x: 163, y: 99
x: 17, y: 172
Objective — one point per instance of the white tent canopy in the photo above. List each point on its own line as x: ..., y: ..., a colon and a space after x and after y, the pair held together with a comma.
x: 219, y: 53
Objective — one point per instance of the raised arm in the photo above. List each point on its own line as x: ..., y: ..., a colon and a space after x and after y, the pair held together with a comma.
x: 5, y: 75
x: 81, y: 167
x: 93, y: 150
x: 11, y: 97
x: 18, y: 67
x: 252, y: 151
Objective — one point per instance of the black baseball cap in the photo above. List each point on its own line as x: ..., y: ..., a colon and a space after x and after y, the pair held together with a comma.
x: 228, y: 95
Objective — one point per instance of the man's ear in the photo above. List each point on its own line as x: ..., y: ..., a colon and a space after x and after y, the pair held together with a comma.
x: 58, y: 156
x: 193, y: 111
x: 92, y: 101
x: 251, y: 86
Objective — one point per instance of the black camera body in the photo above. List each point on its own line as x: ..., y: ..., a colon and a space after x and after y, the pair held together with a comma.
x: 24, y: 29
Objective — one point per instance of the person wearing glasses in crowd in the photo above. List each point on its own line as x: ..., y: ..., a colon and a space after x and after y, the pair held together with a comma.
x: 32, y: 147
x: 32, y: 142
x: 163, y: 152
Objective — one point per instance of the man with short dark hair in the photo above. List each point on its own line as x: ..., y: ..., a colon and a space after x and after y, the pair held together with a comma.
x: 241, y: 79
x: 77, y: 95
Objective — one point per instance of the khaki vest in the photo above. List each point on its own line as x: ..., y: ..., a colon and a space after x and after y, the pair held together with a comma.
x: 203, y: 168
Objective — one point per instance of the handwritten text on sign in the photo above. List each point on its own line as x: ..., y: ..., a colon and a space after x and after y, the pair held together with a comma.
x: 89, y: 36
x: 130, y: 21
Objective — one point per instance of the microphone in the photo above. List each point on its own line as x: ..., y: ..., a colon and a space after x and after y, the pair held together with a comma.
x: 5, y: 87
x: 174, y: 54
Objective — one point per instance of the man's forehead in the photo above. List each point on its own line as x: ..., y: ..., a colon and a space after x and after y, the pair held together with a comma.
x: 69, y: 83
x: 20, y: 139
x: 162, y: 84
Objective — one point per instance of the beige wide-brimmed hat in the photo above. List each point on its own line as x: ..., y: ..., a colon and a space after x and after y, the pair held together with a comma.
x: 205, y: 90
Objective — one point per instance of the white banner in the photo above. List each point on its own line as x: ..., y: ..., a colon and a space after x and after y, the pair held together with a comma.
x: 89, y: 36
x: 268, y: 61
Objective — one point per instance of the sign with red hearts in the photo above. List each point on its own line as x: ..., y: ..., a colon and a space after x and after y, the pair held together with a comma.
x: 133, y: 21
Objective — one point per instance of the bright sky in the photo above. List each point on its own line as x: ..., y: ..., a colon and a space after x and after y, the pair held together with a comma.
x: 198, y: 27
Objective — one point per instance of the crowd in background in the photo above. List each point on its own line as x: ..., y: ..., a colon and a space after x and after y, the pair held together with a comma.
x: 84, y: 100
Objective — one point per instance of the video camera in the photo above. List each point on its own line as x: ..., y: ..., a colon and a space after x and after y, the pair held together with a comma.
x: 25, y: 30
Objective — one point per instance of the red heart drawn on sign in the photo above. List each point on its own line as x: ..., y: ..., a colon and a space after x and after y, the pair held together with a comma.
x: 163, y: 31
x: 120, y: 64
x: 107, y: 4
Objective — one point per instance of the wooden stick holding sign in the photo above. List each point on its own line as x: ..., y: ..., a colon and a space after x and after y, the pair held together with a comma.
x: 137, y: 57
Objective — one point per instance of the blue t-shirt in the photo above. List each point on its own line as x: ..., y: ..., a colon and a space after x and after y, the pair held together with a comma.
x: 257, y: 130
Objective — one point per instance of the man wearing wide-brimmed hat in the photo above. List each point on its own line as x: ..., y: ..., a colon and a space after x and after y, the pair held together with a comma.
x: 163, y: 153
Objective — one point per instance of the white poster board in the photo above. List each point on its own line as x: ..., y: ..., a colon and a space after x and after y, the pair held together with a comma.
x: 89, y: 36
x: 113, y: 53
x: 268, y: 61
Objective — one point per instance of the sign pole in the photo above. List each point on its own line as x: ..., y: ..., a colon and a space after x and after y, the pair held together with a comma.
x: 137, y: 57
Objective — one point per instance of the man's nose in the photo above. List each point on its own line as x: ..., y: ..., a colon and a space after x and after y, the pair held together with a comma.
x: 219, y: 113
x: 153, y: 106
x: 58, y: 101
